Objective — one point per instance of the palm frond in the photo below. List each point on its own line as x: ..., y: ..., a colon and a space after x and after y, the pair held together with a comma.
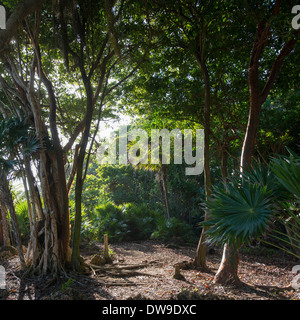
x: 31, y: 145
x: 287, y: 171
x: 7, y: 165
x: 238, y: 213
x: 263, y: 175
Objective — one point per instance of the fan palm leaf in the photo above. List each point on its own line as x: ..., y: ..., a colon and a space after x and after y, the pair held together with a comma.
x: 6, y: 165
x: 30, y: 145
x: 239, y: 212
x: 15, y: 138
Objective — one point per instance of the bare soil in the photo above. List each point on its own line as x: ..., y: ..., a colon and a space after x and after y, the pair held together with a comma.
x: 144, y: 271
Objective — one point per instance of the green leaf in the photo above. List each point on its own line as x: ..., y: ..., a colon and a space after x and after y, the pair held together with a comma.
x: 239, y: 212
x: 287, y: 171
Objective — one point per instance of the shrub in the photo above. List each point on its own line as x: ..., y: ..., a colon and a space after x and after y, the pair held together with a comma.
x: 125, y: 222
x: 107, y: 219
x: 141, y: 220
x: 130, y: 221
x: 173, y: 227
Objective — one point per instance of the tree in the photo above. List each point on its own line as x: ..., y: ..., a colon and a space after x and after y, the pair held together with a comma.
x: 266, y: 18
x: 89, y: 46
x: 109, y: 47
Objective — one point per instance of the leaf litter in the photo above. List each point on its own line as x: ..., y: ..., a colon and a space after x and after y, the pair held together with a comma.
x: 144, y: 270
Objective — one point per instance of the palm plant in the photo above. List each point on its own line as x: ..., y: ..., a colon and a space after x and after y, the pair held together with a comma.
x: 16, y: 138
x: 239, y: 211
x: 246, y: 207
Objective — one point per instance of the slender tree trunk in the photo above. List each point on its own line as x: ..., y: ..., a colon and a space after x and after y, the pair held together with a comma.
x: 74, y: 169
x: 161, y: 178
x: 17, y: 232
x: 4, y: 222
x: 200, y: 258
x: 165, y: 188
x: 227, y: 272
x: 7, y: 196
x: 224, y: 158
x: 1, y: 230
x: 35, y: 212
x: 228, y: 269
x: 75, y: 259
x: 251, y: 131
x: 34, y: 192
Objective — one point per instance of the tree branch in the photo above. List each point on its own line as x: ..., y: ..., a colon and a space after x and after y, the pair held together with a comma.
x: 74, y: 169
x: 285, y: 51
x: 79, y: 128
x: 22, y: 10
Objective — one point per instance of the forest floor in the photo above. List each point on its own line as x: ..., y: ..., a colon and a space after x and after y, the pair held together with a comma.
x: 144, y: 270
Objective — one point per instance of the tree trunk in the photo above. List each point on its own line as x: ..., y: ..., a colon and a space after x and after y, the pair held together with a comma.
x: 5, y: 232
x: 165, y: 188
x: 50, y: 249
x: 8, y: 199
x: 227, y: 272
x: 200, y: 258
x: 33, y: 190
x: 61, y: 200
x: 32, y: 250
x: 161, y: 178
x: 251, y: 132
x: 1, y: 230
x: 17, y: 232
x: 53, y: 217
x: 224, y: 158
x: 75, y: 259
